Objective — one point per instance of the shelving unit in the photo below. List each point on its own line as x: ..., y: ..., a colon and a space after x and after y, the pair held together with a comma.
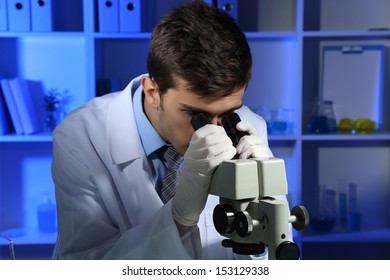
x: 285, y: 37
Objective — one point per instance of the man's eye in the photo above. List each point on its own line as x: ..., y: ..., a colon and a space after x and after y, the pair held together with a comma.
x: 192, y: 113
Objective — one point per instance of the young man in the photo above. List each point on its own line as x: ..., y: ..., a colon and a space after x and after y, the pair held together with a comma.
x: 108, y: 156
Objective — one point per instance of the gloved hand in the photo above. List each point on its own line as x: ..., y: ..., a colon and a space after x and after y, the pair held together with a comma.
x: 252, y: 145
x: 209, y: 146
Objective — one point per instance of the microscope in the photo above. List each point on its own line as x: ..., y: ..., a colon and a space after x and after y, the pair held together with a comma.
x: 249, y: 213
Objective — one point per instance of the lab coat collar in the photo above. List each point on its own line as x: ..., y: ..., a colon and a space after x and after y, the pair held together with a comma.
x: 122, y: 133
x: 150, y: 139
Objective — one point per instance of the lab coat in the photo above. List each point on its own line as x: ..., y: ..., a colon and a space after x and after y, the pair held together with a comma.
x: 107, y: 204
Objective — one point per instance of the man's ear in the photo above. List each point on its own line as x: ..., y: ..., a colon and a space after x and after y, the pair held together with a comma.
x: 150, y: 88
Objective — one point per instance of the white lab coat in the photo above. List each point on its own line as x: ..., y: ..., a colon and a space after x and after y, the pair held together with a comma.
x: 107, y: 204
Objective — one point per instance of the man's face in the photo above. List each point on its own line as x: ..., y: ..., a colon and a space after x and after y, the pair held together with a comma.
x: 172, y: 117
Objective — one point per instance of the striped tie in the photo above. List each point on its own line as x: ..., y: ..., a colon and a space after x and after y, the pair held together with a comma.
x: 169, y: 183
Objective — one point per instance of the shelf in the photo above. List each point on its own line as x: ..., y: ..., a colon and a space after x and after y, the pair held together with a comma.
x: 39, y: 137
x: 27, y: 236
x: 282, y: 137
x: 348, y: 34
x: 379, y: 235
x: 54, y: 34
x: 271, y: 35
x: 146, y: 35
x: 346, y: 137
x: 136, y: 35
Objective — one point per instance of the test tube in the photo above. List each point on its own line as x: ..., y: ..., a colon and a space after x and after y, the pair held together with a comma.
x: 343, y: 212
x: 354, y: 214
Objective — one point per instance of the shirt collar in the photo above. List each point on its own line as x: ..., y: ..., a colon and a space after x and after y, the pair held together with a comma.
x: 150, y: 139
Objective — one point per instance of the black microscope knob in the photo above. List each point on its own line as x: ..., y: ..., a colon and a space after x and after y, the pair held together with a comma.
x: 223, y: 218
x: 302, y: 215
x: 287, y: 250
x: 243, y: 224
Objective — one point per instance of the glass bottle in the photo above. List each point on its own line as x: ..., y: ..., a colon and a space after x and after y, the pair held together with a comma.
x: 330, y: 115
x: 47, y: 216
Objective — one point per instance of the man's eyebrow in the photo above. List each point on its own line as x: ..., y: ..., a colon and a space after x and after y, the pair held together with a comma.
x: 200, y: 110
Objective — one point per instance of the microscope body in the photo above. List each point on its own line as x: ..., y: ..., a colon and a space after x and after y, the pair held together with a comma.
x: 250, y: 214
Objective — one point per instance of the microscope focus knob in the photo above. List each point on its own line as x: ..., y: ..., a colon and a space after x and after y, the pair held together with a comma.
x: 302, y: 217
x: 287, y: 250
x: 223, y: 218
x: 243, y: 224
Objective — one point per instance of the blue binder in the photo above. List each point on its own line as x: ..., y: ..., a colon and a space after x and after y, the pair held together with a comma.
x: 19, y: 15
x: 11, y: 105
x: 41, y: 15
x: 229, y: 6
x: 3, y: 15
x: 108, y: 15
x: 25, y: 105
x: 5, y: 118
x: 130, y: 16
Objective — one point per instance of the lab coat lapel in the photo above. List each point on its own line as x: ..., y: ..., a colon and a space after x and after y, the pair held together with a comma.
x: 123, y: 145
x: 127, y: 153
x: 142, y: 198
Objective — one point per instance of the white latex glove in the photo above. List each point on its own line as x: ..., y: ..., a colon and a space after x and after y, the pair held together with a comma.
x: 209, y: 146
x: 252, y: 145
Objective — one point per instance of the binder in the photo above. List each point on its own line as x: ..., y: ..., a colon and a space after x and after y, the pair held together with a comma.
x: 3, y: 15
x: 5, y: 119
x: 19, y: 15
x: 130, y: 15
x: 41, y: 15
x: 11, y: 104
x: 108, y: 12
x: 25, y: 106
x: 229, y: 6
x: 352, y: 76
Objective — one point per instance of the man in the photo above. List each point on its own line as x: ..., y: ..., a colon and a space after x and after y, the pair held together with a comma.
x: 108, y: 156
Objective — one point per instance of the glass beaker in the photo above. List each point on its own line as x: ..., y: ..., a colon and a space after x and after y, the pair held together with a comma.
x: 324, y: 219
x: 318, y: 123
x: 279, y: 121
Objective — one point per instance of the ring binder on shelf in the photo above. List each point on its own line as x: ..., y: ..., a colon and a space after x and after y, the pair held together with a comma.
x: 19, y: 15
x: 130, y: 16
x: 41, y: 15
x: 229, y: 6
x: 3, y: 15
x: 108, y: 15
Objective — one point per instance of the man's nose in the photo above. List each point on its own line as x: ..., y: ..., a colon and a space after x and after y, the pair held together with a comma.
x: 216, y: 121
